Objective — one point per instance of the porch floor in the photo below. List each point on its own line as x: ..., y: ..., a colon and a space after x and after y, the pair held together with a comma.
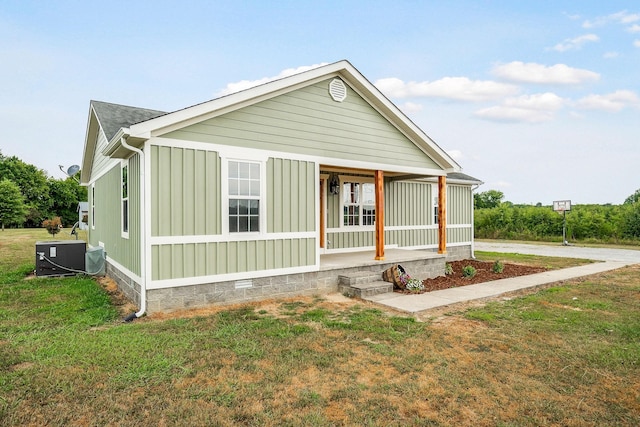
x: 366, y: 258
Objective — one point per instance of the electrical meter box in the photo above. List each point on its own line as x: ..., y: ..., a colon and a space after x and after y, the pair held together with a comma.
x: 60, y: 258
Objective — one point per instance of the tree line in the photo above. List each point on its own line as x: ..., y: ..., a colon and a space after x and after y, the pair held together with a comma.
x: 495, y: 219
x: 28, y: 196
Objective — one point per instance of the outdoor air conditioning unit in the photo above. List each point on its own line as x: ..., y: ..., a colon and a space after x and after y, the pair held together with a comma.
x: 95, y: 261
x: 60, y: 258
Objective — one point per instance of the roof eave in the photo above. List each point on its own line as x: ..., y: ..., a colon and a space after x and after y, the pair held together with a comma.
x: 115, y: 149
x: 90, y: 141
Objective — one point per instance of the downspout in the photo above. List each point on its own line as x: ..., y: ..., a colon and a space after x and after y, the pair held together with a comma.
x: 473, y: 225
x: 143, y: 276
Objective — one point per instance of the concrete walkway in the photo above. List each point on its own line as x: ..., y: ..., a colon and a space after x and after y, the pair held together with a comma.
x: 613, y: 259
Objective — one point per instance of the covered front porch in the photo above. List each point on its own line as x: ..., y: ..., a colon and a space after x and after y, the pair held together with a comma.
x: 353, y: 206
x: 365, y: 259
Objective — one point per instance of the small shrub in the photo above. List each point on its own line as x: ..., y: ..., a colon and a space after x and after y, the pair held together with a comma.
x: 498, y: 267
x: 53, y: 226
x: 469, y: 271
x: 448, y: 269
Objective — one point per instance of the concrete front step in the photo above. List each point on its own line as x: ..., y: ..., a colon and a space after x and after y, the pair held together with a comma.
x: 367, y: 290
x: 358, y: 278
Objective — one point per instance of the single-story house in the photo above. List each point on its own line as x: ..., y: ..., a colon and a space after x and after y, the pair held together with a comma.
x: 268, y: 191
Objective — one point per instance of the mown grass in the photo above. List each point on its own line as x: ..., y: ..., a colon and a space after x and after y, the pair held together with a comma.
x: 548, y: 262
x: 567, y: 355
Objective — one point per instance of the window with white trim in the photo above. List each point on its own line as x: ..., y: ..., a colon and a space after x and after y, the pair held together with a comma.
x: 244, y: 196
x: 358, y: 203
x: 93, y: 206
x: 435, y: 210
x: 124, y: 173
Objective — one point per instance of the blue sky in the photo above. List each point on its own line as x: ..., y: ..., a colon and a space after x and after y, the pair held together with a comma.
x: 539, y: 99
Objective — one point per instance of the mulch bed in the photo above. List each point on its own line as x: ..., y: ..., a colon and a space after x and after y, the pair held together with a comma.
x: 484, y: 273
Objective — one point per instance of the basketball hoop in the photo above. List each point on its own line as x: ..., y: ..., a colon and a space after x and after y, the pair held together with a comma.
x: 562, y: 207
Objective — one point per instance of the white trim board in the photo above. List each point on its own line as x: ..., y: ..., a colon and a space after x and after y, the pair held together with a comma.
x: 256, y: 154
x: 233, y: 237
x: 228, y: 277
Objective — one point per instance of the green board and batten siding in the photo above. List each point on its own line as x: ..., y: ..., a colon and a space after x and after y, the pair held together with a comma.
x: 291, y: 196
x: 186, y: 195
x: 185, y: 192
x: 351, y: 239
x: 186, y: 200
x: 408, y: 203
x: 459, y: 212
x: 459, y: 204
x: 108, y: 229
x: 174, y: 261
x: 307, y: 121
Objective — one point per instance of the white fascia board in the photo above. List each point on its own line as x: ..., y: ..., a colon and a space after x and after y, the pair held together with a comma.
x: 88, y: 151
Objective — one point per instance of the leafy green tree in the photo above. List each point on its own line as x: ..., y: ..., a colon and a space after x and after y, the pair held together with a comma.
x: 12, y: 207
x: 631, y: 227
x: 488, y: 199
x: 634, y: 198
x: 65, y: 195
x: 33, y: 184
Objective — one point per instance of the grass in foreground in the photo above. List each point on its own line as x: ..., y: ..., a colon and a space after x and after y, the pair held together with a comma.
x: 568, y: 355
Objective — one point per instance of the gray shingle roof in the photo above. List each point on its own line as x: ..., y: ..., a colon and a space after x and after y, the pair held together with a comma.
x: 112, y: 117
x: 459, y: 176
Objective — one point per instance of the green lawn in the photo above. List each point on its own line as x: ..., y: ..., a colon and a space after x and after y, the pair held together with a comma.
x: 565, y: 356
x: 550, y: 263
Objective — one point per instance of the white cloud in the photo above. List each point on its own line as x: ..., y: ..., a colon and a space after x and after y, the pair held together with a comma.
x: 518, y: 71
x: 635, y: 28
x: 610, y: 55
x: 541, y: 101
x: 455, y: 154
x: 575, y: 43
x: 622, y: 17
x: 246, y: 84
x: 526, y: 108
x: 636, y: 43
x: 411, y: 107
x: 502, y: 184
x: 572, y: 17
x: 458, y: 88
x: 612, y: 102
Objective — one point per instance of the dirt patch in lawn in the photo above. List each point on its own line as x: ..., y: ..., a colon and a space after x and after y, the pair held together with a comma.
x: 484, y: 273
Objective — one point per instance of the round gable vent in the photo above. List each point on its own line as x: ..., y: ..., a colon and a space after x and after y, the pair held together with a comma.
x: 337, y: 90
